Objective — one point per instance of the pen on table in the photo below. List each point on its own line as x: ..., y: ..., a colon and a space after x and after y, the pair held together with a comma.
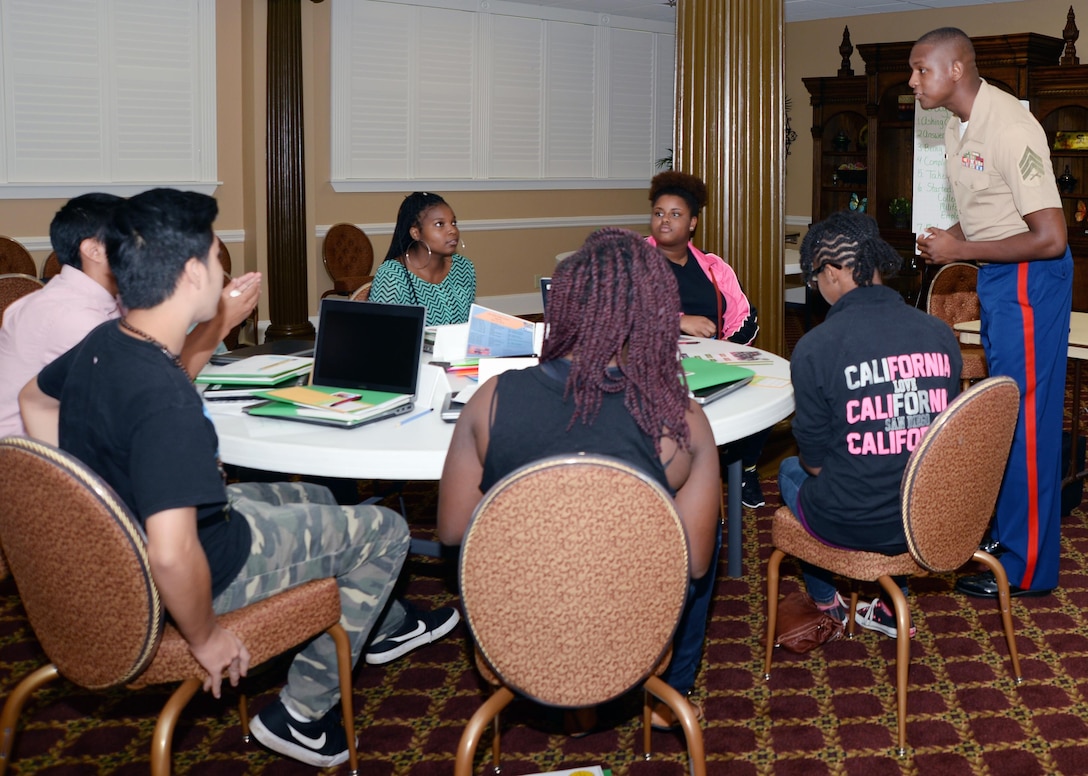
x: 345, y: 401
x: 417, y: 416
x: 275, y: 363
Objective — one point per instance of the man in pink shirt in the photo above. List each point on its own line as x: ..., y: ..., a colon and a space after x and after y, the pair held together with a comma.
x: 40, y: 326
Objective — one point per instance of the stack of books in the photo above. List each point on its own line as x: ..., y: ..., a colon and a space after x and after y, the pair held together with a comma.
x: 242, y: 379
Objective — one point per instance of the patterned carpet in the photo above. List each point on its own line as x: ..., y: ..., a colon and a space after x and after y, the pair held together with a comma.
x: 829, y: 712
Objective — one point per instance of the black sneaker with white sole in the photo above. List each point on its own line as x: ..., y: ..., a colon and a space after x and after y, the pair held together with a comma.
x: 419, y: 628
x: 320, y: 743
x: 751, y: 493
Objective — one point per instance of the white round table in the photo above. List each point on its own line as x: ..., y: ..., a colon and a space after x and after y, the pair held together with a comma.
x: 410, y: 448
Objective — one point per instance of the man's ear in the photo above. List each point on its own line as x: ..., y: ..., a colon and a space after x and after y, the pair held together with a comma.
x: 196, y: 272
x: 956, y: 70
x: 93, y: 250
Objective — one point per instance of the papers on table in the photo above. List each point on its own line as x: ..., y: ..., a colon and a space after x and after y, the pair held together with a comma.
x: 739, y: 357
x: 256, y: 370
x: 495, y: 334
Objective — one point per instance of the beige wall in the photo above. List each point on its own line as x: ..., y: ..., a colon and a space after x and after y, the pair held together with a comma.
x: 812, y: 49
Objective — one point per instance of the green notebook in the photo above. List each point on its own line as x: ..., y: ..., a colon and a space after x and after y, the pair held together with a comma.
x: 339, y: 407
x: 708, y: 380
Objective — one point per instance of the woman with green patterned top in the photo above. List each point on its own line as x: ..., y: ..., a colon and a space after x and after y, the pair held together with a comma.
x: 423, y: 266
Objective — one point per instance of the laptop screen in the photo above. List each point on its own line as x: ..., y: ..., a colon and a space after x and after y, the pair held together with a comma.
x: 367, y: 345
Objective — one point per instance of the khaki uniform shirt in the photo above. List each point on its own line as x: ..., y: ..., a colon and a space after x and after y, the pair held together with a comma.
x: 1000, y: 170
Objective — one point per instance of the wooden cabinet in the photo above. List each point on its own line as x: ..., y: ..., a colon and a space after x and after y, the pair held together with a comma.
x: 1060, y: 101
x: 1025, y: 65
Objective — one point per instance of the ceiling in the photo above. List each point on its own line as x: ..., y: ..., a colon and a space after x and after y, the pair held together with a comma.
x: 796, y: 10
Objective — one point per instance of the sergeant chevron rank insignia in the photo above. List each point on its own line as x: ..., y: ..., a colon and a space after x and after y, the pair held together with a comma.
x: 1031, y: 166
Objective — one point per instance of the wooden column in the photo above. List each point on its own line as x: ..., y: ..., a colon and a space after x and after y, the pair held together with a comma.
x: 730, y: 124
x: 285, y: 165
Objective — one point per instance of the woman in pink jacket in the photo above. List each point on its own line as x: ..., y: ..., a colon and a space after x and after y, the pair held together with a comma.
x: 713, y: 303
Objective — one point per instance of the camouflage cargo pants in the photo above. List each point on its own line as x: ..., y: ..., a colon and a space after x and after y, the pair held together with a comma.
x: 300, y: 533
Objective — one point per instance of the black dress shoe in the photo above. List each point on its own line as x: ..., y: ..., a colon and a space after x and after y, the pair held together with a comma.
x: 993, y: 546
x: 985, y: 586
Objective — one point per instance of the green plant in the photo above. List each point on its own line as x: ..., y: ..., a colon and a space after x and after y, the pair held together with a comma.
x: 899, y: 206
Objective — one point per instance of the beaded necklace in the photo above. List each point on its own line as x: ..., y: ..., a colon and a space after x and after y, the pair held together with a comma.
x: 176, y: 359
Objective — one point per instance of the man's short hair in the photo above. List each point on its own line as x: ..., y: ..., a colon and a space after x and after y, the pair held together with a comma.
x: 152, y: 236
x: 83, y: 217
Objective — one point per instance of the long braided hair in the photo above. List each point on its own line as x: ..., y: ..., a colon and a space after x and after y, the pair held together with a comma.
x: 411, y: 210
x: 615, y: 299
x: 851, y: 239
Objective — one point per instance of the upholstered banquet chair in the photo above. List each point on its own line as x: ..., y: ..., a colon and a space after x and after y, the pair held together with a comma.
x: 558, y: 558
x: 348, y: 257
x: 224, y: 255
x: 80, y: 563
x: 15, y: 285
x: 947, y: 496
x: 15, y: 258
x: 51, y: 267
x: 362, y: 293
x: 952, y: 298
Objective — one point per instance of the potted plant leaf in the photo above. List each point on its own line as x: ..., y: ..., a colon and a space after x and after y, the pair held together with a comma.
x: 899, y: 207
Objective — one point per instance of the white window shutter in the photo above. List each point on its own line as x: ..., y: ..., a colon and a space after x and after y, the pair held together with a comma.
x: 631, y: 104
x: 54, y: 110
x: 570, y: 102
x: 106, y: 92
x: 485, y: 94
x: 516, y: 101
x: 444, y: 91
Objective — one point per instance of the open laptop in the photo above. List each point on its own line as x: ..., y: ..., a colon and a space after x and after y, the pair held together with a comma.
x: 362, y: 346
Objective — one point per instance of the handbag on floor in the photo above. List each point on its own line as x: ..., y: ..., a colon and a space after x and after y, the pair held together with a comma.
x: 802, y: 626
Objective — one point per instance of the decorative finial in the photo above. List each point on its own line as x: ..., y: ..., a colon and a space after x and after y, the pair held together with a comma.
x: 846, y: 48
x: 1070, y: 34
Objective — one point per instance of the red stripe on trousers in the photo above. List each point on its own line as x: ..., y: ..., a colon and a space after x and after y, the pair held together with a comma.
x: 1030, y: 429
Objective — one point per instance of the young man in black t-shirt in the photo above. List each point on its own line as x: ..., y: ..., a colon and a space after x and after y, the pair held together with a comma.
x: 122, y: 402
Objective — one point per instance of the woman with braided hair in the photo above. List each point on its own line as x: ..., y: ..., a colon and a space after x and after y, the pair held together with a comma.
x: 608, y: 382
x: 868, y: 382
x: 712, y: 301
x: 422, y: 265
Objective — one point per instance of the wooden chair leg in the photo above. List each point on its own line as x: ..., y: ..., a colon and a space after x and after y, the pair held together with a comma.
x: 773, y: 566
x: 347, y: 708
x: 647, y: 722
x: 164, y: 726
x: 685, y: 715
x: 474, y: 730
x: 902, y: 656
x: 13, y: 706
x: 1004, y: 605
x: 243, y: 716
